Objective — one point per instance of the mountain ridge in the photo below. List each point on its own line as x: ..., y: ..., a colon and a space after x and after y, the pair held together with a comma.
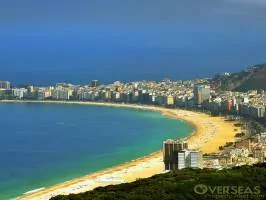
x: 251, y: 78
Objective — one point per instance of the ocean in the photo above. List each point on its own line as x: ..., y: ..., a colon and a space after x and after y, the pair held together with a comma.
x: 47, y: 42
x: 45, y: 144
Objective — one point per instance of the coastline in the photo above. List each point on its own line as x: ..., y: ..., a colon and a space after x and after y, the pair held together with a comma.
x: 209, y: 134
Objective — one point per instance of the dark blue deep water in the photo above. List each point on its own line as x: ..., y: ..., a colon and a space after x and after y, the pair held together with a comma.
x: 54, y: 41
x: 41, y: 145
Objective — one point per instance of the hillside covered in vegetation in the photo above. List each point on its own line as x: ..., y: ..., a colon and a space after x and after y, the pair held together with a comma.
x: 248, y: 181
x: 248, y: 79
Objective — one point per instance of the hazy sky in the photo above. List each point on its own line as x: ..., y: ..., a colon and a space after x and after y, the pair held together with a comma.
x: 121, y: 39
x: 123, y: 12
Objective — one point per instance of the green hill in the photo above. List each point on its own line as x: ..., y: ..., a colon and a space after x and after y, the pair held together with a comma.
x: 250, y: 78
x: 194, y: 184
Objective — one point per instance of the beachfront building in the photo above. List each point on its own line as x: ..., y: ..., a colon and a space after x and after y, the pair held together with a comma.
x: 31, y: 89
x: 84, y: 94
x: 176, y: 155
x: 116, y: 97
x: 107, y: 94
x: 61, y: 93
x: 44, y: 93
x: 170, y: 100
x: 19, y: 93
x: 201, y: 93
x: 41, y: 94
x: 5, y: 85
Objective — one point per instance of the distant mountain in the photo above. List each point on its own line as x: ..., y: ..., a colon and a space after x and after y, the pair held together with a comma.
x: 248, y: 79
x: 193, y: 184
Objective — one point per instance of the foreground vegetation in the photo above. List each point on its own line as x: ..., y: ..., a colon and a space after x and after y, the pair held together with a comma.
x: 180, y: 184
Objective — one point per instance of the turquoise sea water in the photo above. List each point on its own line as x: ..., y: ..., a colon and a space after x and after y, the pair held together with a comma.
x: 44, y: 144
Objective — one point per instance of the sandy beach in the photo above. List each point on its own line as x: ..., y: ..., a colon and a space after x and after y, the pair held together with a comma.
x: 210, y: 133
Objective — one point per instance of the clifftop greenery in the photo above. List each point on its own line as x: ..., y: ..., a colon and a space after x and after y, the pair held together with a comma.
x: 186, y: 184
x: 248, y: 79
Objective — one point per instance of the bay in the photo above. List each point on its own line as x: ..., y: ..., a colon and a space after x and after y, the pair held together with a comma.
x: 45, y: 144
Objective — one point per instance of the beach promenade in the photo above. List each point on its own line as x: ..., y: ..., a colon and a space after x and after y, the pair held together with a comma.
x: 209, y: 134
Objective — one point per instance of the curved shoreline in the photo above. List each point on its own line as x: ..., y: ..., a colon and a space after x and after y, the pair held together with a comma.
x: 207, y: 137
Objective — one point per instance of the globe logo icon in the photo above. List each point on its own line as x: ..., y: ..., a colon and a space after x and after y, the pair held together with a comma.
x: 200, y: 189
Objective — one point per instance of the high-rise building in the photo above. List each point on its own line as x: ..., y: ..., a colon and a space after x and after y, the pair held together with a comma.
x: 6, y: 85
x: 201, y: 93
x: 108, y: 94
x: 170, y: 100
x: 95, y: 83
x: 193, y: 159
x: 181, y: 160
x: 176, y: 155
